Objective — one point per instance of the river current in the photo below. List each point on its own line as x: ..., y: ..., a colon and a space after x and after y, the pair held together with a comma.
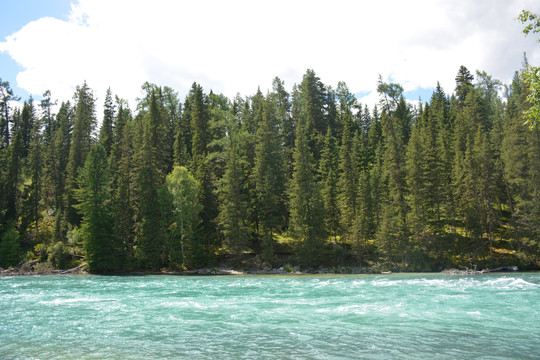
x: 396, y: 316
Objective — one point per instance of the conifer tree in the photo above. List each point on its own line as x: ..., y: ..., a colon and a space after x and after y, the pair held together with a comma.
x: 121, y: 173
x: 6, y: 95
x: 286, y: 122
x: 328, y: 171
x: 464, y: 80
x: 150, y: 178
x: 269, y: 178
x: 393, y: 231
x: 47, y: 119
x: 106, y: 131
x: 364, y: 222
x: 233, y: 192
x: 233, y: 200
x: 487, y: 187
x: 81, y: 140
x: 348, y: 181
x: 468, y: 199
x: 443, y: 124
x: 173, y: 111
x: 13, y: 177
x: 521, y: 170
x: 9, y: 245
x: 465, y: 197
x: 374, y: 137
x: 306, y: 207
x: 182, y: 141
x: 103, y: 253
x: 312, y: 96
x: 25, y: 124
x: 201, y: 169
x: 33, y: 191
x: 56, y: 171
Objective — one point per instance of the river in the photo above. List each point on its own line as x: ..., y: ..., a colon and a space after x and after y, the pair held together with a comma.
x: 396, y: 316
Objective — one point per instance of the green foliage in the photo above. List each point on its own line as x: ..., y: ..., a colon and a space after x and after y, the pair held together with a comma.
x: 463, y: 83
x: 200, y: 166
x: 60, y: 258
x: 6, y: 96
x: 180, y: 209
x: 306, y: 207
x: 269, y: 177
x: 531, y: 77
x: 288, y: 268
x: 81, y: 141
x: 234, y: 201
x: 42, y: 252
x: 102, y: 252
x: 106, y: 132
x: 311, y: 177
x: 329, y: 179
x: 9, y: 247
x: 348, y: 179
x: 532, y: 20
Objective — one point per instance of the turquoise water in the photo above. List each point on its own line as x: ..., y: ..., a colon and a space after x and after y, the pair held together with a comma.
x: 415, y: 316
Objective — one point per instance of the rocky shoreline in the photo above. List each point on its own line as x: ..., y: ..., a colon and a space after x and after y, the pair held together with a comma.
x: 36, y: 268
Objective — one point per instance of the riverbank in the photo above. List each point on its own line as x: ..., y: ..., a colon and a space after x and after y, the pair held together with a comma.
x: 36, y: 268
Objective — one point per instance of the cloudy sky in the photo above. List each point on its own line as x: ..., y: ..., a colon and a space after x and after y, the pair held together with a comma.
x: 235, y: 47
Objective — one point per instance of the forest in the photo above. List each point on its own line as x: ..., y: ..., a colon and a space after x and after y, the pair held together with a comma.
x: 309, y: 178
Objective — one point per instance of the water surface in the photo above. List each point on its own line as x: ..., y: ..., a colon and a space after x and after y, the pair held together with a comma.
x: 411, y: 316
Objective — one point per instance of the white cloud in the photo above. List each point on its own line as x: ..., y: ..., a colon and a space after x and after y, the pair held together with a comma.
x: 236, y: 46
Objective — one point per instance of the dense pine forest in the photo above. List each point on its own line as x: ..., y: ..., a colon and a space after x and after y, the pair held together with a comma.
x: 308, y: 178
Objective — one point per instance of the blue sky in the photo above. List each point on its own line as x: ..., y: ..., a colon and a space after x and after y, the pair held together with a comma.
x: 14, y: 15
x: 236, y: 46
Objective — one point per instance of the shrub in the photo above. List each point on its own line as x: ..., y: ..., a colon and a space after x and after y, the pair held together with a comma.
x: 288, y: 268
x: 9, y: 248
x: 59, y: 256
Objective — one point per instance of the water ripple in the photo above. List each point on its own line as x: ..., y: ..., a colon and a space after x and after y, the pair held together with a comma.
x: 268, y: 317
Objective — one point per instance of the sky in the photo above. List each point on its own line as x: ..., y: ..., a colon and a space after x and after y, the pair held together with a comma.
x: 236, y: 46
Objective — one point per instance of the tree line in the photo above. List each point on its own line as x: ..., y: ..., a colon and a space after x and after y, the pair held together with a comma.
x: 310, y: 178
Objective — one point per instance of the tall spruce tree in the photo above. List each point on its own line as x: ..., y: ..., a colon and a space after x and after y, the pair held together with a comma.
x: 312, y: 97
x: 103, y: 253
x: 33, y: 190
x: 348, y: 181
x: 82, y: 138
x: 13, y: 178
x: 233, y: 192
x: 328, y: 171
x: 200, y: 130
x: 521, y: 169
x: 121, y: 174
x: 286, y: 122
x: 306, y: 207
x: 47, y: 117
x: 393, y: 231
x: 107, y: 125
x: 25, y: 124
x: 363, y: 228
x: 183, y: 141
x: 150, y: 178
x: 270, y: 178
x: 6, y: 96
x: 56, y: 172
x: 464, y: 80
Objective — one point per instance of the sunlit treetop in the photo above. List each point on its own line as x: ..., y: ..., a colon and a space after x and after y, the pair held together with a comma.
x: 532, y: 21
x: 531, y: 75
